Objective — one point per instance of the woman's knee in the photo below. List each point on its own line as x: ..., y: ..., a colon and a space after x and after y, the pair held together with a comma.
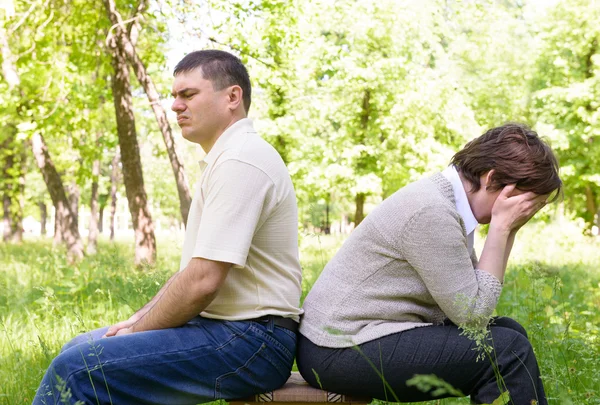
x: 509, y: 323
x: 511, y: 347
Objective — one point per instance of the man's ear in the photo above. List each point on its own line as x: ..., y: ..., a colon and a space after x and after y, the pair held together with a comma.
x: 234, y: 95
x: 489, y: 176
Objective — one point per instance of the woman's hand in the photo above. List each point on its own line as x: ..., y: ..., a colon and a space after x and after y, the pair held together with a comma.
x: 512, y: 209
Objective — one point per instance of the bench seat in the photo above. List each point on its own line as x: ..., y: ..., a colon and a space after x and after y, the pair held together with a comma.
x: 296, y: 391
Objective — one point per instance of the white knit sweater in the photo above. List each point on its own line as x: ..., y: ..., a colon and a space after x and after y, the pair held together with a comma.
x: 405, y: 266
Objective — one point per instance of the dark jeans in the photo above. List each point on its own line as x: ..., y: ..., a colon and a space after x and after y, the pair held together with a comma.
x: 439, y: 350
x: 203, y: 360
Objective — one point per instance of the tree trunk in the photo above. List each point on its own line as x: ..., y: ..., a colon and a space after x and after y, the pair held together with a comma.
x: 590, y: 203
x: 20, y: 203
x: 145, y: 241
x: 11, y: 201
x: 73, y: 194
x: 43, y: 217
x: 93, y: 231
x: 8, y: 218
x: 327, y: 229
x: 114, y: 179
x: 359, y: 213
x: 127, y: 47
x: 66, y: 223
x: 57, y: 239
x: 13, y: 212
x: 13, y: 185
x: 101, y: 218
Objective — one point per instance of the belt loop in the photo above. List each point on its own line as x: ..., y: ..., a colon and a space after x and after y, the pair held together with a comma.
x: 271, y: 324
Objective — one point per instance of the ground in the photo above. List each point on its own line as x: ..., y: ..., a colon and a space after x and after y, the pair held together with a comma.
x: 552, y: 287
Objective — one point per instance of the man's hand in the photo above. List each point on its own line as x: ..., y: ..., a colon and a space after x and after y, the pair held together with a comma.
x: 124, y: 331
x: 116, y: 328
x: 511, y: 210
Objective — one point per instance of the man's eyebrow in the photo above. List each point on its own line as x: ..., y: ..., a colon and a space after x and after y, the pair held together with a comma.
x: 183, y: 91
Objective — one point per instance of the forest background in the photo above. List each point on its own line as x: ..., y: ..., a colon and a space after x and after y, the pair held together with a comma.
x: 359, y: 98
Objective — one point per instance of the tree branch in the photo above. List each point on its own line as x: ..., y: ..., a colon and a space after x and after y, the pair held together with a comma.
x: 22, y: 20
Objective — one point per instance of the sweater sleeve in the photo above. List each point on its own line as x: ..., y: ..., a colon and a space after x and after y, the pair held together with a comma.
x: 434, y: 244
x: 474, y: 258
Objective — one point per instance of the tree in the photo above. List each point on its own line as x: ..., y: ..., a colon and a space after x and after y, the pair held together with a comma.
x: 94, y: 208
x: 114, y: 180
x: 384, y: 107
x: 566, y: 99
x: 64, y: 217
x: 145, y: 241
x: 11, y: 153
x: 358, y: 98
x: 128, y: 47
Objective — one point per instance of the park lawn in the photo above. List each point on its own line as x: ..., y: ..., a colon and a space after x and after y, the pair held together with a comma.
x: 552, y: 288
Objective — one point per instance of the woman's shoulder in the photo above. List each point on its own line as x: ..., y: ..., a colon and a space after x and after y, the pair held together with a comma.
x: 431, y: 192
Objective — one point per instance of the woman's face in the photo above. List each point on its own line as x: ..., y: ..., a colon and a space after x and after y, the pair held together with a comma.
x: 482, y: 201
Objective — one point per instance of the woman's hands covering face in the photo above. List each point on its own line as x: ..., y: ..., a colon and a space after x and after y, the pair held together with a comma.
x: 513, y: 207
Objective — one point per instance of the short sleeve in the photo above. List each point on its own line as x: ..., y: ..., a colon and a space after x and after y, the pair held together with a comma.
x: 238, y: 199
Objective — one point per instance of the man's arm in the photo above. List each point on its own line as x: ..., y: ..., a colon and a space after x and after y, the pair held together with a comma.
x: 183, y: 297
x: 112, y: 331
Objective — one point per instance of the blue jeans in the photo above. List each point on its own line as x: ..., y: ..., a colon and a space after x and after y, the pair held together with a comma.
x: 202, y: 361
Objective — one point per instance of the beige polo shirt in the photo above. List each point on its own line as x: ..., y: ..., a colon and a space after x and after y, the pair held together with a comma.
x: 244, y: 212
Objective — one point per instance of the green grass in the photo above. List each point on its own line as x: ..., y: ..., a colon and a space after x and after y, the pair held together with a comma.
x: 552, y: 288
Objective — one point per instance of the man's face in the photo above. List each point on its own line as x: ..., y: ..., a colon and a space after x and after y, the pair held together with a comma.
x: 201, y: 111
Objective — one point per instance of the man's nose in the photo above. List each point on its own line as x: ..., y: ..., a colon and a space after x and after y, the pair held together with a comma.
x: 177, y: 105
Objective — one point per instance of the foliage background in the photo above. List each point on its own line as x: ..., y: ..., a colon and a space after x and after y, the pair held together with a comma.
x: 359, y: 97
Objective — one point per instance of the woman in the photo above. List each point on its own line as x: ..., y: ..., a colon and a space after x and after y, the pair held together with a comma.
x: 388, y: 306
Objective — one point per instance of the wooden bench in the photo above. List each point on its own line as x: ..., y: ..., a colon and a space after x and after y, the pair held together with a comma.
x: 296, y: 391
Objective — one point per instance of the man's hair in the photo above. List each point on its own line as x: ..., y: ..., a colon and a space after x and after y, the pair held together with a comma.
x: 221, y: 68
x: 516, y: 154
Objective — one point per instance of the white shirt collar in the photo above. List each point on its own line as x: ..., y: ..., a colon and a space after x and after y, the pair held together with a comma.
x: 239, y: 127
x: 460, y: 195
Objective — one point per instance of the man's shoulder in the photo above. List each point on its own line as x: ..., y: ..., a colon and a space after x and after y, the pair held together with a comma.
x: 251, y: 149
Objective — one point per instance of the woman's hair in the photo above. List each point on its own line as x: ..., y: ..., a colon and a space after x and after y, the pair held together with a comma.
x: 516, y: 154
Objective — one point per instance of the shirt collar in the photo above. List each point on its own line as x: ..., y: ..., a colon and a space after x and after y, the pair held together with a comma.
x: 239, y: 127
x: 460, y: 195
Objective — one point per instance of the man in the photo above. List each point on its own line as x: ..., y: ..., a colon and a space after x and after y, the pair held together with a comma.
x: 239, y: 270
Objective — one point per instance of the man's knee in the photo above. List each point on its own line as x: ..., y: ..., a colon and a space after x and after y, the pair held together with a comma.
x: 87, y: 337
x: 71, y: 371
x: 84, y: 337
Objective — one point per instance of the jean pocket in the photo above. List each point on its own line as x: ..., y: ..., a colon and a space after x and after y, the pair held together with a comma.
x: 258, y: 375
x: 280, y: 340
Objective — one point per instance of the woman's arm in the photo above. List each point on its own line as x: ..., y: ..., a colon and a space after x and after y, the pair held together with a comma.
x: 509, y: 214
